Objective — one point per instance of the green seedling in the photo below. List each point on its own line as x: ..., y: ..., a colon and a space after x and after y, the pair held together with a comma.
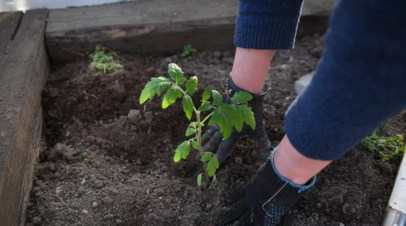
x: 188, y: 51
x: 88, y: 160
x: 386, y: 147
x: 226, y: 115
x: 86, y: 157
x: 103, y: 60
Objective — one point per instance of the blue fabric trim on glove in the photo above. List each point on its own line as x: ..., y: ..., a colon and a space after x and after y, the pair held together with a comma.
x: 300, y: 187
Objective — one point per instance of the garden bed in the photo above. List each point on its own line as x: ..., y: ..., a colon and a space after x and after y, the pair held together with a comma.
x: 133, y: 180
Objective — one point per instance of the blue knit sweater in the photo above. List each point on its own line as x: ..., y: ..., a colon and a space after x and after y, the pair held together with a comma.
x: 360, y: 80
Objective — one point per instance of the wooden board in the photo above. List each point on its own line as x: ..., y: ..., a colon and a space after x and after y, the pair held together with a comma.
x: 23, y: 72
x: 150, y: 26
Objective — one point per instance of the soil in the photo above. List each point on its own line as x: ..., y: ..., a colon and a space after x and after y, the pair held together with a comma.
x: 133, y: 180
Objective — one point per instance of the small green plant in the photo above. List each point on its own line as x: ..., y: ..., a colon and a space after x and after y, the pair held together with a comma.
x: 226, y: 115
x: 386, y: 147
x: 103, y: 60
x: 188, y: 51
x: 86, y: 157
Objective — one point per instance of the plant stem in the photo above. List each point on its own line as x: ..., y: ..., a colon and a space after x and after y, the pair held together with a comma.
x: 199, y: 139
x: 207, y: 117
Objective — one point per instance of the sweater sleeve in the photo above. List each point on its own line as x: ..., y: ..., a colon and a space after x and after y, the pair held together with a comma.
x: 359, y: 82
x: 267, y: 24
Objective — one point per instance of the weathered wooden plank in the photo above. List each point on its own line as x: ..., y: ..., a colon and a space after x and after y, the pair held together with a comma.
x: 154, y: 26
x: 23, y: 75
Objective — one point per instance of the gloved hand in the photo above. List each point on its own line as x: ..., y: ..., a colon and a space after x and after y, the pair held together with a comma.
x: 264, y: 199
x: 212, y: 140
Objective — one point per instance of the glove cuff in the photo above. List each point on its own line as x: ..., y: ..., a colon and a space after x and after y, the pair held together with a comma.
x: 232, y: 88
x: 300, y: 188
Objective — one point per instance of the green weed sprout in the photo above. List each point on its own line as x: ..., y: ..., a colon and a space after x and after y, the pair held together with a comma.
x: 188, y: 51
x: 86, y: 157
x: 226, y: 115
x: 103, y: 60
x: 386, y: 147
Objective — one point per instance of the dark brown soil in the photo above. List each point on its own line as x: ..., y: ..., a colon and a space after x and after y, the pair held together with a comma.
x: 133, y: 179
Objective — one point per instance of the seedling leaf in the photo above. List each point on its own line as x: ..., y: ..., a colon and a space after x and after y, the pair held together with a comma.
x: 206, y: 93
x: 241, y: 97
x: 195, y: 144
x: 171, y: 95
x: 206, y: 157
x: 213, y: 165
x: 199, y: 180
x: 247, y: 115
x: 182, y: 151
x: 188, y: 106
x: 191, y: 85
x: 218, y: 99
x: 226, y: 116
x: 205, y: 106
x: 155, y: 86
x: 190, y: 131
x: 176, y: 73
x: 193, y: 124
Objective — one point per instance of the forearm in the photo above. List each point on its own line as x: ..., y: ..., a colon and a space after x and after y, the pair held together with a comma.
x: 262, y: 27
x: 250, y: 68
x: 359, y: 83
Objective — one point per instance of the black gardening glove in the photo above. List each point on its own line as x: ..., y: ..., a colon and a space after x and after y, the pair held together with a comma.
x: 263, y: 200
x: 212, y: 140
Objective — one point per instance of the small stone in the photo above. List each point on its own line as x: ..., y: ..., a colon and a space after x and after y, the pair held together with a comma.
x: 303, y: 82
x: 89, y: 139
x: 209, y: 206
x: 85, y: 212
x: 107, y: 200
x: 36, y: 220
x: 138, y: 162
x: 318, y: 205
x: 341, y: 224
x: 74, y: 205
x: 118, y: 221
x: 160, y: 191
x: 168, y: 60
x: 338, y: 199
x: 217, y: 54
x: 134, y: 116
x: 109, y: 216
x: 58, y: 190
x: 238, y: 160
x: 115, y: 191
x: 95, y: 204
x: 98, y: 184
